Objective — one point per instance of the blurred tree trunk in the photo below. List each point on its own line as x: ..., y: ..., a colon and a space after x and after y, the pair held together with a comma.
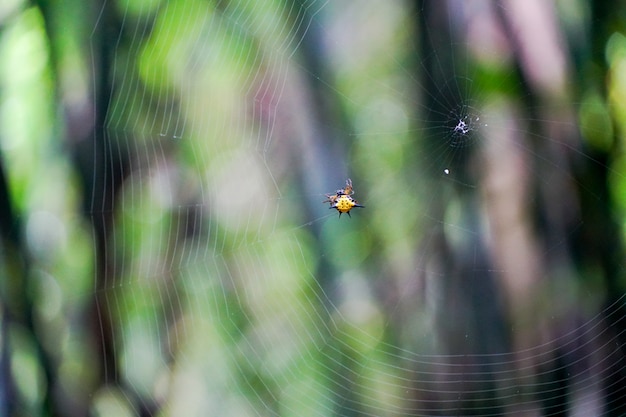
x: 469, y: 318
x: 100, y: 168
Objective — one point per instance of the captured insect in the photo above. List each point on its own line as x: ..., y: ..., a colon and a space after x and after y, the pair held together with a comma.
x: 342, y: 200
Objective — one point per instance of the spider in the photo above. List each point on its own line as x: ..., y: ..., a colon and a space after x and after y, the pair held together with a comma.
x: 342, y: 200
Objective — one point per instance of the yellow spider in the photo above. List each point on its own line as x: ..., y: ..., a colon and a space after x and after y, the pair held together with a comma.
x: 342, y: 200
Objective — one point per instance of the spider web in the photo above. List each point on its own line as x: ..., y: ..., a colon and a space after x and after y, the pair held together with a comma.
x: 230, y: 289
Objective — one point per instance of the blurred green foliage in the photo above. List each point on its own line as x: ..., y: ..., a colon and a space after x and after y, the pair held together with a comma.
x: 221, y: 289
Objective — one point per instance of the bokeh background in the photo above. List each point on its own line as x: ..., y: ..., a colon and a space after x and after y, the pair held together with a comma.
x: 164, y: 246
